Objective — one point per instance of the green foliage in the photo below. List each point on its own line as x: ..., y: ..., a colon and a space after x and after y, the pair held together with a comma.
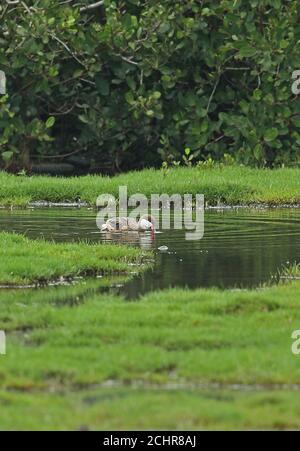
x: 135, y: 82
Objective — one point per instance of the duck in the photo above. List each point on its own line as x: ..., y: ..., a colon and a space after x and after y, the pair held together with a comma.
x: 123, y: 224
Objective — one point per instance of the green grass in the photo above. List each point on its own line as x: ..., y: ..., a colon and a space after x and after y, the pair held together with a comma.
x: 25, y: 262
x: 126, y: 409
x: 80, y: 357
x: 59, y: 355
x: 230, y: 185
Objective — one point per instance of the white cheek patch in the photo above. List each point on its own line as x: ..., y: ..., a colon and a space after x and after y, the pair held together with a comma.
x: 146, y: 225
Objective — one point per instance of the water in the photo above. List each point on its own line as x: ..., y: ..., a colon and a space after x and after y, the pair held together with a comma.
x: 241, y: 248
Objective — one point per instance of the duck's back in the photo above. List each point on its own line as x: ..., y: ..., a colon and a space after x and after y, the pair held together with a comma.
x: 118, y: 223
x: 132, y: 224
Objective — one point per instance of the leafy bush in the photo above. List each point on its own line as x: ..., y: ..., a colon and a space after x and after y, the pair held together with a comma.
x: 134, y: 83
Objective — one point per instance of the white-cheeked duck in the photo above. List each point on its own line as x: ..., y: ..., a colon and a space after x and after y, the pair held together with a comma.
x: 145, y: 224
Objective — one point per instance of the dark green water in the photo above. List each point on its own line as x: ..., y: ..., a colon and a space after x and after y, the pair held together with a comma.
x: 241, y: 248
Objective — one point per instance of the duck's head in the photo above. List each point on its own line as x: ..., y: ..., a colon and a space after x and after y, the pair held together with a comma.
x: 148, y: 222
x: 104, y: 228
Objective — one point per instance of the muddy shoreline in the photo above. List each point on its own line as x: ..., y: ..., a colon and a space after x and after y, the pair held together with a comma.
x: 74, y: 205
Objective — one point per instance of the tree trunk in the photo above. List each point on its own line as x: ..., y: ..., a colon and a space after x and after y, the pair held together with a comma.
x: 25, y: 155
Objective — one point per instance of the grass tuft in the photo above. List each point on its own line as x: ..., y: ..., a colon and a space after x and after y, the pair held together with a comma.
x: 26, y: 262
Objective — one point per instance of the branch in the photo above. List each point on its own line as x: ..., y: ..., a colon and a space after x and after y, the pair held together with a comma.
x: 51, y: 157
x: 83, y: 9
x: 128, y: 60
x: 213, y: 93
x: 67, y: 49
x: 92, y: 6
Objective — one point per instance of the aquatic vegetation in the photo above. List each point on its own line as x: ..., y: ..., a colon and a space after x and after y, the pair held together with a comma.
x: 290, y: 272
x: 38, y: 262
x: 230, y: 185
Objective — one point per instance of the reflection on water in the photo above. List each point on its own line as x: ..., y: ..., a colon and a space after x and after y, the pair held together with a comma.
x: 142, y: 240
x: 241, y: 248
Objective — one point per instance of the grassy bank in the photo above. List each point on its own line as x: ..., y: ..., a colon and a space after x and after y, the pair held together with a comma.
x: 169, y: 348
x: 146, y: 409
x: 25, y: 261
x: 229, y: 185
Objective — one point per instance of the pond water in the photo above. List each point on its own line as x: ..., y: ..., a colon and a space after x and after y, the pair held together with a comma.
x: 241, y: 248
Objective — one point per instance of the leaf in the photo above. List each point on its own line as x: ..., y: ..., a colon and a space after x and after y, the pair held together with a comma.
x: 83, y: 118
x: 257, y: 94
x: 129, y: 98
x: 271, y: 134
x: 244, y: 107
x: 276, y: 4
x: 206, y: 12
x: 296, y: 121
x: 50, y: 122
x: 7, y: 156
x: 258, y: 152
x: 102, y: 86
x: 131, y: 83
x: 157, y: 95
x: 247, y: 52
